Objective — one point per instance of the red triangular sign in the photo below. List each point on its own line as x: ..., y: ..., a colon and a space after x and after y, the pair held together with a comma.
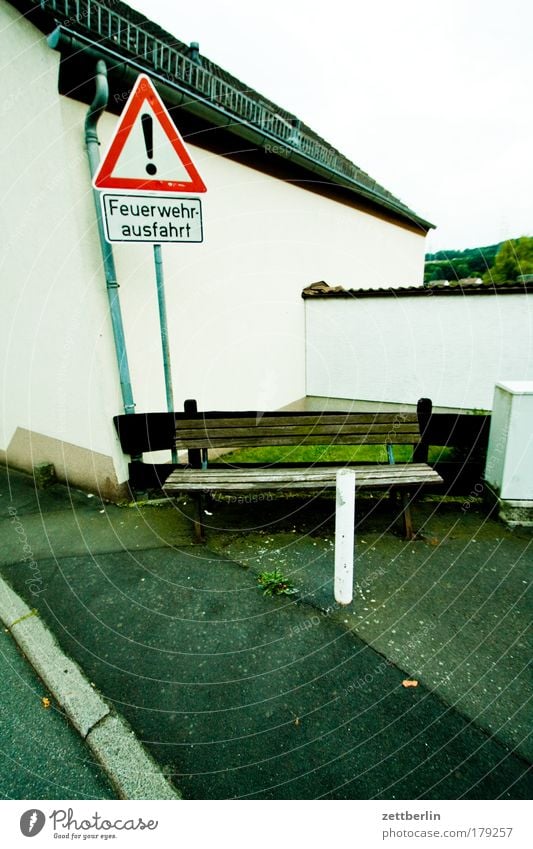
x: 147, y: 153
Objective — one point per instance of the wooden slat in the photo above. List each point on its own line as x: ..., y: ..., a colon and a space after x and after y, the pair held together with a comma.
x: 292, y: 486
x: 251, y: 430
x: 295, y: 486
x: 292, y: 479
x: 203, y: 482
x: 405, y: 470
x: 317, y: 472
x: 269, y: 420
x: 300, y: 439
x: 386, y: 430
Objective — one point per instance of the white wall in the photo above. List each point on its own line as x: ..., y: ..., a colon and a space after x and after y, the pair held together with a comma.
x: 56, y: 347
x: 451, y: 349
x: 236, y: 318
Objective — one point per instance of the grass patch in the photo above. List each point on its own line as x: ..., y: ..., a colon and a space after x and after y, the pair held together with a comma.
x: 311, y: 454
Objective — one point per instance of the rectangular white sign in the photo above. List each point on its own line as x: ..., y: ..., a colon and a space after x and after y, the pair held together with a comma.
x: 151, y: 218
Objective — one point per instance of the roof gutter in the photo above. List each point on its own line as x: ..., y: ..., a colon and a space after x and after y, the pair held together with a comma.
x: 70, y: 43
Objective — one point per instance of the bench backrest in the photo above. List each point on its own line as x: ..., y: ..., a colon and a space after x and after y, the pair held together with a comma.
x: 241, y: 430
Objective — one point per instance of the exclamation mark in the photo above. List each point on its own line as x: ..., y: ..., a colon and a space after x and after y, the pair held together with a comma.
x: 148, y: 132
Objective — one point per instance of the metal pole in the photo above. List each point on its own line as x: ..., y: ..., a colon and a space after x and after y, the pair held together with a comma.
x: 160, y: 281
x: 91, y: 141
x: 344, y: 536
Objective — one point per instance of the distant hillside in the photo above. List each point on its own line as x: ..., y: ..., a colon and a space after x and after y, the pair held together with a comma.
x: 454, y: 265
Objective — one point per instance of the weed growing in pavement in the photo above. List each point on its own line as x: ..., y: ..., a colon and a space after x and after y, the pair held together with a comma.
x: 275, y: 583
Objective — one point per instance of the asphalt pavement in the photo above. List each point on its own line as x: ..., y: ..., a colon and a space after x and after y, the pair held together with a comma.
x: 235, y: 694
x: 41, y: 754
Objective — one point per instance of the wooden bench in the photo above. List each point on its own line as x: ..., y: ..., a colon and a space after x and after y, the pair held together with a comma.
x: 200, y: 432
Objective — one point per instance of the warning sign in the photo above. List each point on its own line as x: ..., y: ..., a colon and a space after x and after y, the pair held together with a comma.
x: 147, y: 153
x: 151, y: 218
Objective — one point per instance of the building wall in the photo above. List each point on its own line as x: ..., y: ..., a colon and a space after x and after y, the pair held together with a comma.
x: 451, y: 349
x: 236, y: 318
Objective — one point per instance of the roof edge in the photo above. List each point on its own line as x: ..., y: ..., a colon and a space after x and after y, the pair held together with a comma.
x: 114, y: 27
x: 321, y: 289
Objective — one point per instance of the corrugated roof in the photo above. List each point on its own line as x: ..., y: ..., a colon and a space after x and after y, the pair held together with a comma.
x: 322, y: 289
x: 113, y: 24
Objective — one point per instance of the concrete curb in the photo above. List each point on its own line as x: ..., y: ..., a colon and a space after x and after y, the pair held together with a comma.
x: 132, y: 771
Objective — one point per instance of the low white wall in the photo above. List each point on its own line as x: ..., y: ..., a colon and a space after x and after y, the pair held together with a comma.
x: 452, y: 349
x: 236, y: 318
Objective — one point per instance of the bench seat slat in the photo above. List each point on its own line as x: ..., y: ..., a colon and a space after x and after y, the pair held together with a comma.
x: 403, y: 475
x: 267, y: 472
x: 243, y: 485
x: 315, y: 472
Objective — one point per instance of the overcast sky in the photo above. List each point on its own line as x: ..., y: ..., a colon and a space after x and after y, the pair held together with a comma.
x: 434, y: 98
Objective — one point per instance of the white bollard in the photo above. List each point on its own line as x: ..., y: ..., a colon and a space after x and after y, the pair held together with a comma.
x: 344, y: 535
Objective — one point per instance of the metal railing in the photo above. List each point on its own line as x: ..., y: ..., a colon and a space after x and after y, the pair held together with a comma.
x: 107, y: 25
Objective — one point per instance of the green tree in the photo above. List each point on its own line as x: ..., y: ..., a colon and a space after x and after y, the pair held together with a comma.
x: 454, y: 264
x: 514, y: 258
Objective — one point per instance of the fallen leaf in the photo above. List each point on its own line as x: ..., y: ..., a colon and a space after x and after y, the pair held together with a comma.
x: 46, y: 703
x: 409, y: 683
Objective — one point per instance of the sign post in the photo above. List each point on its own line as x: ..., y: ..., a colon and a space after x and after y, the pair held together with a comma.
x: 160, y: 283
x: 142, y: 179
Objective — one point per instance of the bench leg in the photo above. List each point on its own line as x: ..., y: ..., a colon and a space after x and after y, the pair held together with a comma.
x: 406, y: 515
x: 199, y: 532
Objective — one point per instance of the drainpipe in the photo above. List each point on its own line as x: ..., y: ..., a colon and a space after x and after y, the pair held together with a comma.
x: 92, y: 144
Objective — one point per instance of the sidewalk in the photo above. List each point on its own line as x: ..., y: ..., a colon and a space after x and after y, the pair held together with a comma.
x: 237, y: 695
x: 66, y: 742
x: 41, y: 755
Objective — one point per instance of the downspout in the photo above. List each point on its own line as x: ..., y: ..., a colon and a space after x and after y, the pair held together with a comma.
x: 92, y: 144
